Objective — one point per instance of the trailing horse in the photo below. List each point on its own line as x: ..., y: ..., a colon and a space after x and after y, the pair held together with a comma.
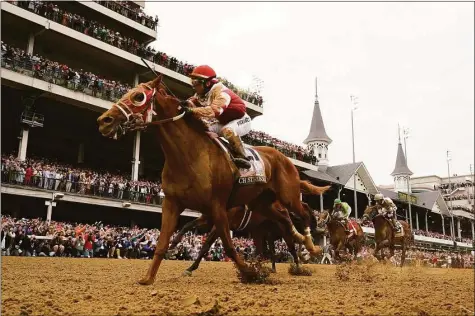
x: 385, y: 235
x: 339, y: 238
x: 242, y: 219
x: 199, y: 174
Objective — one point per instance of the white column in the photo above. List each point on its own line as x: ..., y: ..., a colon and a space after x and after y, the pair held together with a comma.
x: 31, y: 44
x: 459, y: 230
x: 23, y: 144
x: 443, y: 224
x: 136, y: 79
x: 49, y: 210
x: 81, y: 153
x: 473, y: 231
x: 321, y: 202
x: 417, y: 220
x: 452, y: 227
x: 136, y: 157
x: 427, y: 222
x: 231, y: 233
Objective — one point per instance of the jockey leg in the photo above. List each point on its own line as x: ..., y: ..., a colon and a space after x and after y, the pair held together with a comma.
x: 395, y: 223
x: 234, y: 140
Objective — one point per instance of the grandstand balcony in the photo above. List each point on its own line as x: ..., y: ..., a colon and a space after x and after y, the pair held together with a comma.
x: 125, y: 21
x: 81, y: 51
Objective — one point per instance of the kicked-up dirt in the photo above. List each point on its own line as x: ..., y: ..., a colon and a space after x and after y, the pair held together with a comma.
x: 64, y: 286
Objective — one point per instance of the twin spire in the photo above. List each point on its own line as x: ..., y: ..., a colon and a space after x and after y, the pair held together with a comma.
x: 401, y: 167
x: 317, y: 128
x: 318, y: 133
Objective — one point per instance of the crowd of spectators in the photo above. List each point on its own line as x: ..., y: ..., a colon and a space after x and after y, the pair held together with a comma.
x: 459, y: 197
x: 51, y: 11
x: 440, y: 259
x: 256, y: 138
x: 36, y: 237
x: 60, y: 74
x: 448, y: 188
x: 131, y: 11
x: 46, y: 174
x: 466, y: 208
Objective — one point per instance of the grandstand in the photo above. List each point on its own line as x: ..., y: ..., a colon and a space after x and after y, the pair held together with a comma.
x: 63, y: 63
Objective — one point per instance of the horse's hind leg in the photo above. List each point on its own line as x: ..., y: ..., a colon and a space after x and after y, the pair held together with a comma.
x: 291, y: 246
x: 204, y: 250
x: 272, y: 240
x: 403, y: 253
x: 274, y: 211
x: 199, y: 222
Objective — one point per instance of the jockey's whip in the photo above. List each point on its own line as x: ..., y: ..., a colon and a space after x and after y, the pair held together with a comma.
x: 148, y: 66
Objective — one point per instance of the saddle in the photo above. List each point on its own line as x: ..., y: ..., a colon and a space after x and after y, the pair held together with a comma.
x: 390, y: 222
x: 349, y: 227
x: 253, y: 175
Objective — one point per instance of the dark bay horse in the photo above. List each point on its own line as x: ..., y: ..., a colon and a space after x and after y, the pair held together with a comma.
x: 385, y: 235
x: 200, y: 175
x: 339, y: 239
x: 263, y: 231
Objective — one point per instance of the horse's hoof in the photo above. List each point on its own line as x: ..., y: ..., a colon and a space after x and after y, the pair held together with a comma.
x: 146, y: 281
x: 186, y: 273
x: 316, y: 251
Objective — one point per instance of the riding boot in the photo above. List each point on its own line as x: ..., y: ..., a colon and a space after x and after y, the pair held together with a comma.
x: 240, y: 158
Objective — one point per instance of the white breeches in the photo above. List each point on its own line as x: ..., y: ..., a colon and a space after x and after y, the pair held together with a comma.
x: 240, y: 127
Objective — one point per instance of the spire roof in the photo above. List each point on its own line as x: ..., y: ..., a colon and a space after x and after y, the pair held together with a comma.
x: 401, y: 167
x: 317, y: 128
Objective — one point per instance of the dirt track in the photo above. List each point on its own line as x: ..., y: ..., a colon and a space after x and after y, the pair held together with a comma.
x: 53, y: 286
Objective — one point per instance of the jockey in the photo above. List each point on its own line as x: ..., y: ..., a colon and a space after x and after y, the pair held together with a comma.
x: 387, y: 207
x: 222, y: 110
x: 341, y: 211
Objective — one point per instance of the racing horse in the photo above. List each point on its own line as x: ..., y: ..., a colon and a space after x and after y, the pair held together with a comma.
x: 339, y: 239
x: 385, y: 235
x: 198, y: 174
x: 241, y: 218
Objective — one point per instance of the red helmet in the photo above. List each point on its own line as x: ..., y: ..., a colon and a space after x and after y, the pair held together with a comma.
x: 203, y: 72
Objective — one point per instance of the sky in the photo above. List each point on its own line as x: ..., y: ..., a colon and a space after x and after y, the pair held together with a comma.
x: 408, y: 63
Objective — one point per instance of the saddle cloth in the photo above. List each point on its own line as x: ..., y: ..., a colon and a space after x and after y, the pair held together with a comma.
x: 401, y: 231
x: 352, y: 227
x: 257, y: 173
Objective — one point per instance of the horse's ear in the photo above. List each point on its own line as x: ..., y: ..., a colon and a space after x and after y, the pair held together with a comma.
x: 156, y: 82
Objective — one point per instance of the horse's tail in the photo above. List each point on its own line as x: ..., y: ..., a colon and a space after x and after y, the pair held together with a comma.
x: 307, y: 188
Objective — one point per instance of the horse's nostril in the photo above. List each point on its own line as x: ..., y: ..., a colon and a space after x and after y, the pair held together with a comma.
x: 107, y: 120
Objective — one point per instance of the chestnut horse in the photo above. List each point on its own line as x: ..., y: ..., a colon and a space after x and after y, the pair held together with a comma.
x: 338, y: 236
x: 385, y: 235
x: 198, y: 174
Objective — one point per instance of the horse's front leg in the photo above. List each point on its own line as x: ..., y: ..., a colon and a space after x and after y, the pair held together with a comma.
x: 220, y: 220
x: 170, y: 213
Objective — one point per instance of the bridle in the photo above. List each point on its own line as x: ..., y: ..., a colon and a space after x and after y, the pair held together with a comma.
x: 139, y: 114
